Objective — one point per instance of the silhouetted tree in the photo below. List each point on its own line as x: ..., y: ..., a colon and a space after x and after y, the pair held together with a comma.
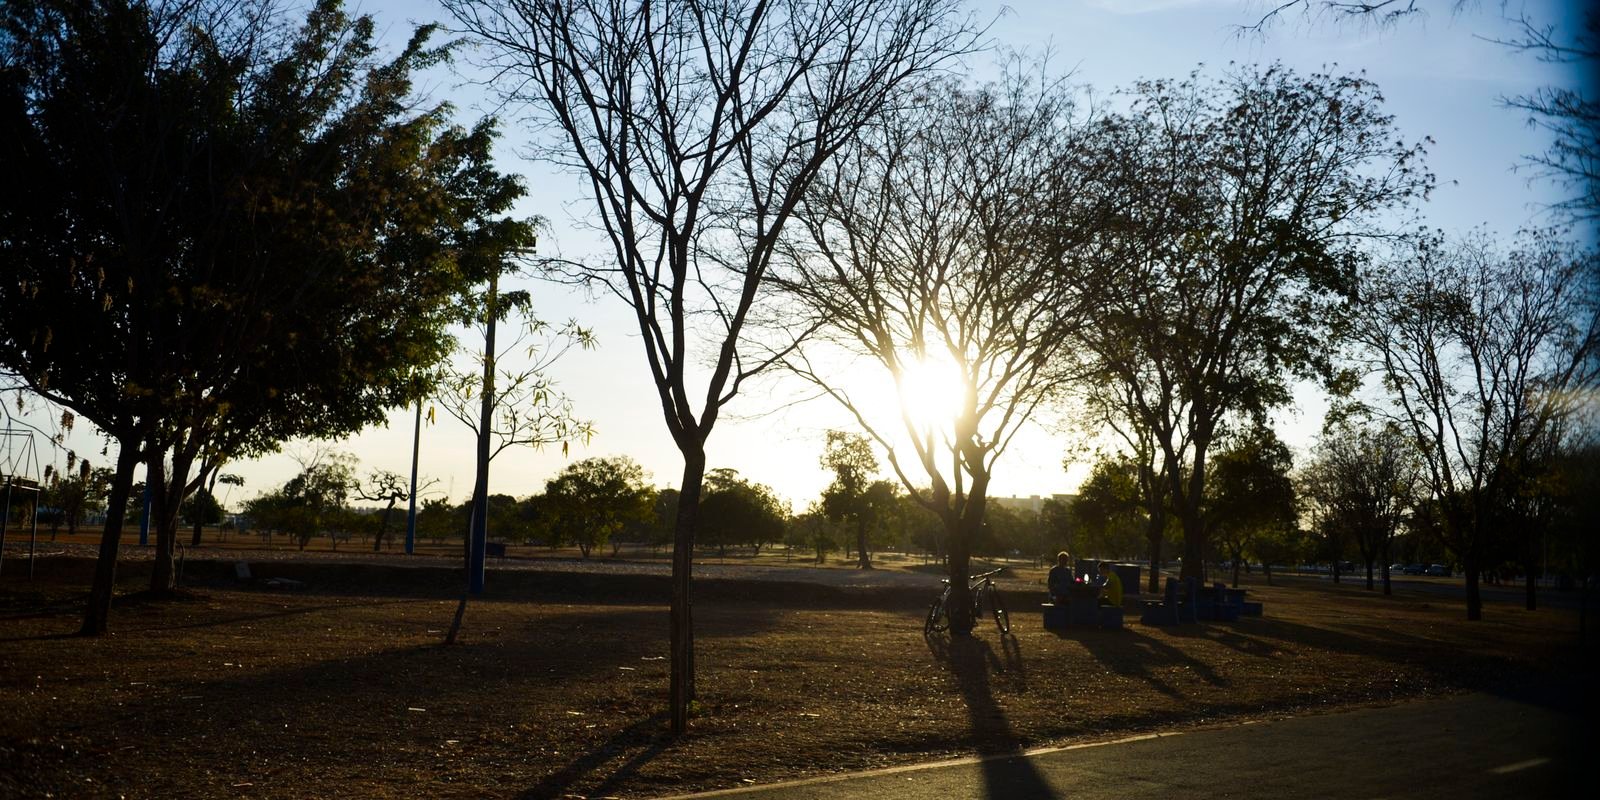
x: 253, y: 230
x: 1246, y: 200
x: 596, y: 498
x: 1483, y: 352
x: 1367, y: 477
x: 1251, y: 493
x: 697, y: 125
x: 941, y: 254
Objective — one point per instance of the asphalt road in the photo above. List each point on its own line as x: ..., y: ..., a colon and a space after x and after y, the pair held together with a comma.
x: 1469, y: 746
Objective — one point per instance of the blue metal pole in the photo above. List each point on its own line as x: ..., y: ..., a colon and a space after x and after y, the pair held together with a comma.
x: 411, y: 515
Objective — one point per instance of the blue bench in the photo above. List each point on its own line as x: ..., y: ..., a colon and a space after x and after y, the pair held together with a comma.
x: 1087, y: 614
x: 1227, y: 605
x: 1177, y: 605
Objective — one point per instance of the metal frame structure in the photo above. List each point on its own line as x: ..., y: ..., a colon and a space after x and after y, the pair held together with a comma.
x: 19, y: 473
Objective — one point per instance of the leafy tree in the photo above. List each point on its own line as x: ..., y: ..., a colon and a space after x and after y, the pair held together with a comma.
x: 1252, y: 495
x: 1109, y: 508
x: 596, y: 498
x: 1484, y: 353
x: 945, y: 245
x: 255, y: 231
x: 813, y: 531
x: 738, y: 512
x: 697, y: 125
x: 1245, y: 203
x: 76, y: 493
x: 314, y: 501
x: 1060, y: 528
x: 201, y: 508
x: 1365, y: 478
x: 854, y: 495
x: 438, y: 520
x: 513, y: 406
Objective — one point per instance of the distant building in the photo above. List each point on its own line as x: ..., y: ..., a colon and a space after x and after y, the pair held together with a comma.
x: 1033, y: 502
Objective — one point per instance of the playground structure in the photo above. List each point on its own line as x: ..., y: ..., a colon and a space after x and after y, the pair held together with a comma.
x: 19, y: 477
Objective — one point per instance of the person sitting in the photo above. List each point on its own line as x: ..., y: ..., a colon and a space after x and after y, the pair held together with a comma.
x: 1110, y: 586
x: 1059, y: 584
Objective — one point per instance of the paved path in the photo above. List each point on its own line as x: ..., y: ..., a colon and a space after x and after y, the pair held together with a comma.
x: 1470, y: 746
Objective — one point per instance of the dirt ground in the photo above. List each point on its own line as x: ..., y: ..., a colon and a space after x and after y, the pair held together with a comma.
x: 341, y: 687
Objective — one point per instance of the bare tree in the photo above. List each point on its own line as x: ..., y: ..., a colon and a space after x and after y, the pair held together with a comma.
x: 1482, y: 352
x: 697, y: 125
x: 1244, y: 201
x: 1571, y: 114
x: 944, y: 246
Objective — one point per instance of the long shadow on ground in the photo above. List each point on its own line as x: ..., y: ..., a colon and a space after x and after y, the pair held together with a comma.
x: 1007, y: 773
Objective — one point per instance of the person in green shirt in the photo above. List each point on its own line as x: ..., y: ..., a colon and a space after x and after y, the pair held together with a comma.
x: 1110, y: 586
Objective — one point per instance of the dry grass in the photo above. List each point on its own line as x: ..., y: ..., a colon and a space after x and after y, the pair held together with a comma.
x: 230, y: 692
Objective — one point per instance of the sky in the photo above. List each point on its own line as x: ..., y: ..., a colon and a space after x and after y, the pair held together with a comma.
x: 1439, y: 74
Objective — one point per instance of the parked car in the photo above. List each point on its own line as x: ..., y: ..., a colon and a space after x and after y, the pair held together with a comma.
x: 1415, y: 569
x: 1439, y: 570
x: 1396, y: 567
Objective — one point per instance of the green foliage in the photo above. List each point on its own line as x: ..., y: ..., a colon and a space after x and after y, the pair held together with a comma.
x: 201, y: 508
x: 595, y: 499
x: 1231, y: 262
x: 1109, y: 511
x: 854, y: 496
x: 438, y: 520
x: 812, y: 530
x: 1250, y: 493
x: 77, y: 494
x: 736, y: 512
x: 310, y: 503
x: 253, y: 231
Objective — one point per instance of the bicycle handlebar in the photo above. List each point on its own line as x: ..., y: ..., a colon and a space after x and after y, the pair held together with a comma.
x: 978, y: 577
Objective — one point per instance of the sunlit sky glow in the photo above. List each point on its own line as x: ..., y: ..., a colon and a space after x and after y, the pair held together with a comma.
x: 1440, y: 76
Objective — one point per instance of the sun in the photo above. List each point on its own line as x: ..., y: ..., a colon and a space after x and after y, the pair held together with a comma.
x: 931, y: 390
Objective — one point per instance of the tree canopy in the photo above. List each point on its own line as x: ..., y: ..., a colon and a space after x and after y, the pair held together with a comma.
x: 253, y: 229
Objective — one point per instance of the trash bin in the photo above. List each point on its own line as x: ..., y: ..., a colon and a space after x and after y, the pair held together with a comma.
x: 1129, y: 575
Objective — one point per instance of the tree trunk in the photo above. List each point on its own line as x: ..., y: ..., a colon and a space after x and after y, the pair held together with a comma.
x: 98, y: 610
x: 1266, y: 569
x: 1238, y: 555
x: 681, y: 679
x: 1370, y: 584
x: 1474, y: 598
x: 1194, y: 546
x: 1531, y: 585
x: 865, y: 562
x: 1154, y: 534
x: 383, y: 527
x: 168, y: 498
x: 960, y: 571
x: 478, y: 533
x: 208, y: 473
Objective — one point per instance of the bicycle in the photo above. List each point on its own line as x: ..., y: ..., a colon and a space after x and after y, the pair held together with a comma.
x: 983, y: 589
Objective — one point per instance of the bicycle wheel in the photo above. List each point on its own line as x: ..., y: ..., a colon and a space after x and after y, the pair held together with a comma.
x: 937, y: 620
x: 1001, y: 618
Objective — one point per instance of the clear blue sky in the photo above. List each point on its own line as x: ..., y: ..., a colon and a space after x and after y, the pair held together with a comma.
x: 1439, y: 77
